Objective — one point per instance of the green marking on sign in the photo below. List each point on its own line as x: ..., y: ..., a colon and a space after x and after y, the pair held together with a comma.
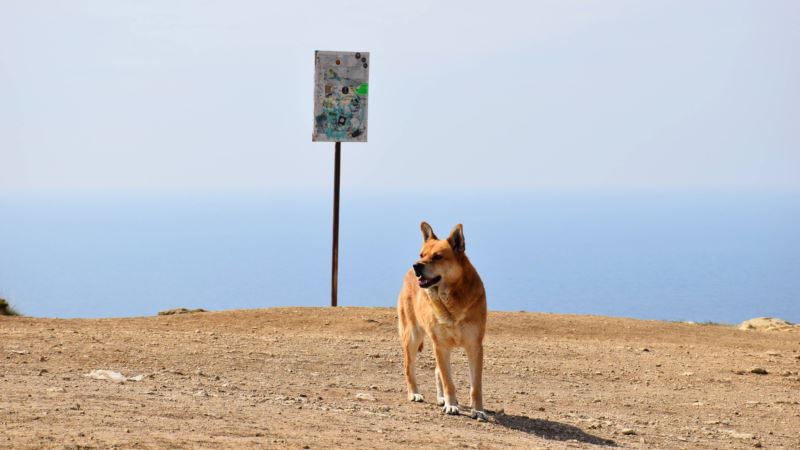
x: 362, y: 89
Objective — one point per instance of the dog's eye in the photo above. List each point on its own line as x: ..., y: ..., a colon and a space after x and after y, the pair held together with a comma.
x: 421, y: 255
x: 437, y: 257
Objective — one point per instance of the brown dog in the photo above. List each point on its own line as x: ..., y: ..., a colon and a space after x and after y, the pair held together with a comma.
x: 443, y: 297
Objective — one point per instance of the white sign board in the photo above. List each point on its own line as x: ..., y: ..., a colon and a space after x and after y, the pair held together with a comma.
x: 341, y: 86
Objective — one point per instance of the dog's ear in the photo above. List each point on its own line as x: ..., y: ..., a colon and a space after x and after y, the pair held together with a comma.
x: 456, y: 239
x: 427, y: 232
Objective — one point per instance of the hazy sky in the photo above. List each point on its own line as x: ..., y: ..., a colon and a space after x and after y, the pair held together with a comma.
x: 217, y: 95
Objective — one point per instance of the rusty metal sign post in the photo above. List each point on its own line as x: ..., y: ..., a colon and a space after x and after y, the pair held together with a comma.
x: 335, y: 252
x: 341, y: 88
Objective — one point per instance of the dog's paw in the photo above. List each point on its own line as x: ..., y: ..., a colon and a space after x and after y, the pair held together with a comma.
x: 480, y: 416
x: 416, y: 398
x: 440, y: 401
x: 451, y: 410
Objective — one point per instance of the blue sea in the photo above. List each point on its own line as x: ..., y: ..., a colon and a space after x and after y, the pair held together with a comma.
x: 722, y: 257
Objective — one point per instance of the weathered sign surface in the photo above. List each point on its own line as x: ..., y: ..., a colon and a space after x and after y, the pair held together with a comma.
x: 341, y: 86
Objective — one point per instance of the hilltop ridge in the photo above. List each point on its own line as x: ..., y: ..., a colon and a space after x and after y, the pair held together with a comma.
x: 332, y: 378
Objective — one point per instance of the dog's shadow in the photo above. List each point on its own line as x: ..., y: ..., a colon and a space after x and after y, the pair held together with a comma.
x: 547, y: 429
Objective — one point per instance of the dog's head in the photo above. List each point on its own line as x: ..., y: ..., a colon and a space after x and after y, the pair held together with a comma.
x: 440, y: 261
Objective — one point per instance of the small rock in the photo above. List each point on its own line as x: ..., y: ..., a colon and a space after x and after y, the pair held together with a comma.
x: 738, y: 435
x: 766, y: 324
x: 628, y: 431
x: 103, y: 374
x: 364, y: 396
x: 759, y: 370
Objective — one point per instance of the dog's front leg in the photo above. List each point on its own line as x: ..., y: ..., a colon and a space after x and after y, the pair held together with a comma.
x: 475, y: 356
x: 439, y: 388
x: 446, y: 378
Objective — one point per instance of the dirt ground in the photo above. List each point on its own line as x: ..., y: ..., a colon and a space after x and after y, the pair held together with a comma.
x: 331, y: 378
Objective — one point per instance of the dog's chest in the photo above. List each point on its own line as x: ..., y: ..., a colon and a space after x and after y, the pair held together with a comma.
x: 438, y: 294
x: 446, y: 334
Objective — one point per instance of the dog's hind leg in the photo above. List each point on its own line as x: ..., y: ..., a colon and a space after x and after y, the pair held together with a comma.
x: 446, y: 378
x: 412, y: 343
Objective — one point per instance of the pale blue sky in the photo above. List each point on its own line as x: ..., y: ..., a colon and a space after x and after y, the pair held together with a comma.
x: 198, y: 96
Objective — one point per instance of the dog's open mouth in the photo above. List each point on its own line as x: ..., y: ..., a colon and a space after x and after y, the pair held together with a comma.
x: 426, y: 283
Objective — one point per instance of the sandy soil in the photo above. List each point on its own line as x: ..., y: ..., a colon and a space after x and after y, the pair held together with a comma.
x: 289, y: 378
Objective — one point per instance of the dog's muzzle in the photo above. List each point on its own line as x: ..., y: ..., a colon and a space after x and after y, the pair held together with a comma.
x: 419, y: 271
